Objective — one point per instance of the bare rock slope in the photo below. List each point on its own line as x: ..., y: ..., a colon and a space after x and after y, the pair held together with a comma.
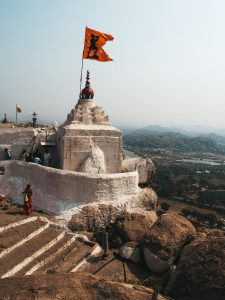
x: 82, y: 286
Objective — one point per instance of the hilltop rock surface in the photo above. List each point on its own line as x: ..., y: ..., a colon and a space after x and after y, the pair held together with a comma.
x: 200, y: 273
x: 78, y: 286
x: 166, y: 238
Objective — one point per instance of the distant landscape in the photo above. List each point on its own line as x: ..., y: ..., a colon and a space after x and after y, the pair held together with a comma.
x: 190, y: 170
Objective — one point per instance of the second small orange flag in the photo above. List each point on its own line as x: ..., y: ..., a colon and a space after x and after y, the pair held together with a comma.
x: 93, y: 45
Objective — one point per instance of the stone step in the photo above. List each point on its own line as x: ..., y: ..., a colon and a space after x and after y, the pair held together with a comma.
x: 15, y: 236
x: 17, y: 259
x: 87, y: 259
x: 70, y: 258
x: 74, y: 258
x: 14, y: 224
x: 60, y: 260
x: 54, y: 252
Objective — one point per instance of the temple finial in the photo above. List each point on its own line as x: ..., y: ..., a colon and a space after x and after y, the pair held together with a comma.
x: 87, y: 92
x: 88, y: 78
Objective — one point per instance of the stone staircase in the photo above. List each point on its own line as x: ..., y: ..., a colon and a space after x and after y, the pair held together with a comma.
x: 36, y: 246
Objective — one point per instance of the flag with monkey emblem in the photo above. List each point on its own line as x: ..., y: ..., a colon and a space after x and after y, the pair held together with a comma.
x: 93, y: 45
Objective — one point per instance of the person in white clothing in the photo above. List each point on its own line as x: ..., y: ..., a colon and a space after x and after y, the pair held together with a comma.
x: 47, y: 158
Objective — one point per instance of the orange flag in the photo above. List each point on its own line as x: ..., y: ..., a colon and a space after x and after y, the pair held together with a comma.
x: 93, y: 43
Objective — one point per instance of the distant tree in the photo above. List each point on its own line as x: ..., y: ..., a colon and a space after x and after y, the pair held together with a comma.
x: 183, y: 181
x: 160, y: 212
x: 165, y: 206
x: 212, y: 219
x: 186, y: 212
x: 191, y: 179
x: 167, y: 190
x: 180, y: 189
x: 220, y: 224
x: 203, y: 182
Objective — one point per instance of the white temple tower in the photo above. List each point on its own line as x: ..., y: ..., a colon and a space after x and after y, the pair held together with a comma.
x: 86, y: 141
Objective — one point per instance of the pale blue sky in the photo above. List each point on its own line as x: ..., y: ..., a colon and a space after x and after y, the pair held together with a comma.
x: 168, y: 68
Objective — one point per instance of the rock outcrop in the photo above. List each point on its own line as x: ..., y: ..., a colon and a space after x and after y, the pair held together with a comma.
x: 133, y: 226
x: 131, y: 251
x: 145, y: 168
x: 166, y: 238
x: 78, y: 286
x: 200, y: 273
x: 99, y: 215
x: 146, y: 199
x: 93, y: 216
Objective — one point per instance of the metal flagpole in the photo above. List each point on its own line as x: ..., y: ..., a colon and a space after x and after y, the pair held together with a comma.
x: 81, y: 73
x: 16, y: 113
x: 82, y: 63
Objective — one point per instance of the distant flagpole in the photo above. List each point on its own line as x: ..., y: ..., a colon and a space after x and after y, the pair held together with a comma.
x: 18, y: 110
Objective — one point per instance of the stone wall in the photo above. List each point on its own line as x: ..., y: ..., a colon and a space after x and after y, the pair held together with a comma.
x: 16, y: 140
x: 19, y: 138
x: 57, y: 190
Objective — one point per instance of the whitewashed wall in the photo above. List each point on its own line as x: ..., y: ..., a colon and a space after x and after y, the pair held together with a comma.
x: 16, y: 140
x: 57, y: 190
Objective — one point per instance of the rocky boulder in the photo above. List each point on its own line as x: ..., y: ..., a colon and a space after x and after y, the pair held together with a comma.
x: 146, y: 199
x: 70, y: 286
x: 131, y: 251
x: 166, y: 238
x: 200, y: 273
x: 91, y: 217
x: 133, y: 226
x: 145, y: 168
x: 94, y: 216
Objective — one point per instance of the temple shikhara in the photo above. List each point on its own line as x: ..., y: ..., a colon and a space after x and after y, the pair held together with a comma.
x: 87, y: 142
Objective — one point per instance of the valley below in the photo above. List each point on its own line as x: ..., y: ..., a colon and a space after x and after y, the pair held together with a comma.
x: 190, y: 173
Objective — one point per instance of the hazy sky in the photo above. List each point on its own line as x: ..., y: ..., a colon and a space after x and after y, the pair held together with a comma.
x: 168, y: 68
